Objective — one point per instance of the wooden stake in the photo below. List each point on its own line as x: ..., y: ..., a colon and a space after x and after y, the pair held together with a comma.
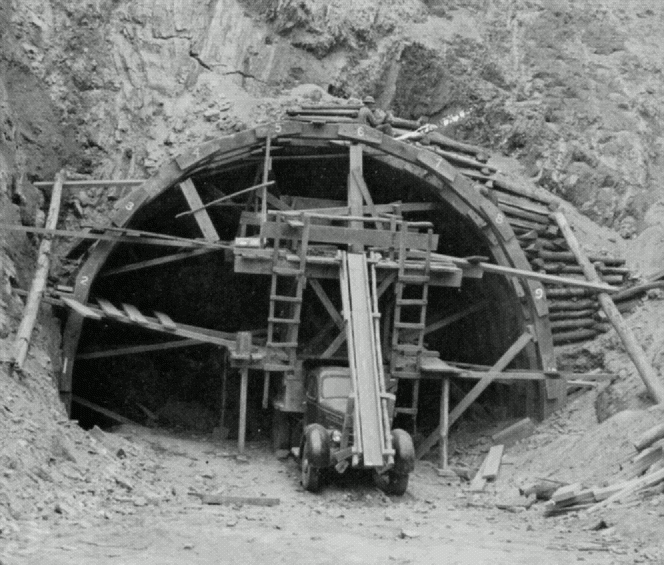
x: 31, y: 310
x: 636, y: 354
x: 444, y: 421
x: 242, y: 430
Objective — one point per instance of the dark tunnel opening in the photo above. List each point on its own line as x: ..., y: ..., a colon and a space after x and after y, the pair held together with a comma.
x: 182, y: 386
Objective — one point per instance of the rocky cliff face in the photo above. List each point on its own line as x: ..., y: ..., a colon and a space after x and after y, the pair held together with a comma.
x: 573, y: 90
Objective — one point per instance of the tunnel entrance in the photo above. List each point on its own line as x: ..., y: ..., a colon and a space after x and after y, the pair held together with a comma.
x: 192, y: 385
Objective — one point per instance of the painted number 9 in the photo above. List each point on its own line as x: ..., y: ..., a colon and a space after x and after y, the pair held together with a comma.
x: 539, y: 293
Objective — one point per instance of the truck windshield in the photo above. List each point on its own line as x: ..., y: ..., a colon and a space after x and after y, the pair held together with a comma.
x: 336, y: 386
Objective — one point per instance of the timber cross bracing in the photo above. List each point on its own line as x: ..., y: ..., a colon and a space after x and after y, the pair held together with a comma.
x: 358, y: 219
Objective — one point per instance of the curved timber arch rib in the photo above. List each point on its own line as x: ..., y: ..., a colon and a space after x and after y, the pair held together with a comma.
x: 449, y: 184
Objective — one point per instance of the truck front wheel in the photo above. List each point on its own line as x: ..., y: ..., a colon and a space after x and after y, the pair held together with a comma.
x: 315, y: 453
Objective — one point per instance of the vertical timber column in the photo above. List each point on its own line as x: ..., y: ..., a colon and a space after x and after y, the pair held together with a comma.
x: 444, y: 420
x: 355, y: 202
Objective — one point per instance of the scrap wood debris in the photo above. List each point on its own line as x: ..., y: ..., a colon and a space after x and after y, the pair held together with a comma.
x: 645, y: 472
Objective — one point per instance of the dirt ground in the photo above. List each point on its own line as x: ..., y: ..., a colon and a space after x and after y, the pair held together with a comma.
x: 349, y: 522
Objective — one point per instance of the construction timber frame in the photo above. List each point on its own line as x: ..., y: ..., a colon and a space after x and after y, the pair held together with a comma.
x: 272, y: 221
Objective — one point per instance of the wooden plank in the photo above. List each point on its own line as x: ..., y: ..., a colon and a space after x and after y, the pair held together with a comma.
x: 204, y: 335
x: 136, y: 349
x: 109, y: 309
x: 239, y: 500
x: 345, y: 236
x: 566, y: 493
x: 523, y: 273
x: 166, y: 321
x: 646, y: 481
x: 646, y: 458
x: 134, y: 314
x: 90, y: 183
x: 649, y: 437
x: 159, y: 261
x: 200, y: 214
x: 158, y: 240
x: 486, y: 380
x: 104, y: 411
x: 515, y: 432
x: 492, y: 462
x: 648, y: 375
x: 479, y: 482
x: 82, y: 309
x: 31, y: 310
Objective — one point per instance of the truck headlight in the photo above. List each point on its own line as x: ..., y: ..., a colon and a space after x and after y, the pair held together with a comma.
x: 336, y: 436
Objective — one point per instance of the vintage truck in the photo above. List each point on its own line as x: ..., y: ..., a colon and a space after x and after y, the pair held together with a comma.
x: 332, y: 438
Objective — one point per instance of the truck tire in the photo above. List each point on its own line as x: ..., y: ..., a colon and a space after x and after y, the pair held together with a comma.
x: 315, y: 451
x: 395, y: 481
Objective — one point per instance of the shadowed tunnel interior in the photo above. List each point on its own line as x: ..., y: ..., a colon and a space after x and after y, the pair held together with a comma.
x: 182, y: 386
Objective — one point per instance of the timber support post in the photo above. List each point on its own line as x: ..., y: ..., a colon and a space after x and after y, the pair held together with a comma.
x: 636, y: 354
x: 24, y: 333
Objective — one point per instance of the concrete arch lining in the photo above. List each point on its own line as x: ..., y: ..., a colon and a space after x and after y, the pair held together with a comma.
x: 452, y: 187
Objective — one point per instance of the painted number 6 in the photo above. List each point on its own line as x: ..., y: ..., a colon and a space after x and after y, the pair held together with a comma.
x: 360, y: 132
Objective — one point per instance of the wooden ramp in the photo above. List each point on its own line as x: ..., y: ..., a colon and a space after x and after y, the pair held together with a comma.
x: 371, y: 428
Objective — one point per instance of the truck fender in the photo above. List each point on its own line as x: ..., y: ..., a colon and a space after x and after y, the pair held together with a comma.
x: 316, y: 441
x: 404, y: 457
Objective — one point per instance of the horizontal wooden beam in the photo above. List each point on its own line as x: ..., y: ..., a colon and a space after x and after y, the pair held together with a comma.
x: 158, y: 261
x: 90, y: 183
x: 134, y: 239
x: 342, y: 235
x: 139, y: 349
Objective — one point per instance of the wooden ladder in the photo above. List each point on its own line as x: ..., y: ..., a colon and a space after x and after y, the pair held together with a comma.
x: 286, y: 290
x: 410, y: 310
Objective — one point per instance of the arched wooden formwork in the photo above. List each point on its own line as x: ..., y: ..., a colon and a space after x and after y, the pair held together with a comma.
x: 452, y: 187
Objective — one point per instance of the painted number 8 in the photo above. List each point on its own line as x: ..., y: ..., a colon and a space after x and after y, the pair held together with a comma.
x: 499, y: 219
x: 129, y: 206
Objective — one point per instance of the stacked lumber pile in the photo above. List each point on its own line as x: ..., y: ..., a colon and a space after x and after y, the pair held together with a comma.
x: 645, y: 474
x: 575, y: 313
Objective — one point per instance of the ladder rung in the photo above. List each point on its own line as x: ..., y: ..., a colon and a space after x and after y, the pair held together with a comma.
x: 407, y: 348
x: 286, y: 272
x: 280, y: 298
x: 412, y: 302
x: 405, y: 375
x: 284, y: 321
x: 411, y: 411
x: 295, y: 223
x: 277, y: 367
x: 284, y: 344
x: 408, y: 326
x: 413, y: 279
